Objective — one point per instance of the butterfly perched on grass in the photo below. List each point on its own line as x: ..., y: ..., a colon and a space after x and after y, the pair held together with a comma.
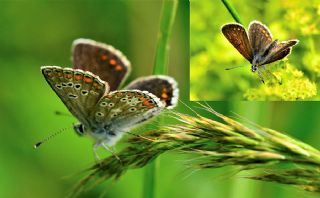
x: 90, y: 91
x: 257, y: 45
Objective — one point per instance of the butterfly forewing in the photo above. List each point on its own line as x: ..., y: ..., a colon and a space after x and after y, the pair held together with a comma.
x: 78, y: 90
x: 164, y: 87
x: 123, y: 109
x: 259, y: 36
x: 237, y: 36
x: 102, y: 60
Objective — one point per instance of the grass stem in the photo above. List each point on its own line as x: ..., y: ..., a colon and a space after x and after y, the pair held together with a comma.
x: 232, y: 11
x: 168, y: 13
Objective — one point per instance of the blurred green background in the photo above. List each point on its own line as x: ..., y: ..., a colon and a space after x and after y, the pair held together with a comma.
x: 36, y: 33
x: 211, y: 52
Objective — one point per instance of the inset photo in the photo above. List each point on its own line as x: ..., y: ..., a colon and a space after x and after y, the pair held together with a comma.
x: 254, y: 50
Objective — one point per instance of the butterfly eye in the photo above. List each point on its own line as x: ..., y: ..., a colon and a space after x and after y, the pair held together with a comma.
x: 132, y: 109
x: 254, y: 68
x: 123, y: 99
x: 70, y: 84
x: 111, y: 104
x: 79, y: 128
x: 114, y: 115
x: 64, y: 84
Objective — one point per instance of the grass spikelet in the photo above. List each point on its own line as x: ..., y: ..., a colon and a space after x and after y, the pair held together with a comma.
x: 218, y: 144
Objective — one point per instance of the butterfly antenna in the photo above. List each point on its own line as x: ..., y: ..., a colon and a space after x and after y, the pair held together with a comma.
x: 60, y: 113
x: 233, y: 67
x: 37, y: 145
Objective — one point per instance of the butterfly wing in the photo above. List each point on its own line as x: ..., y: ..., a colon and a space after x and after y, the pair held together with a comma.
x: 280, y: 51
x: 79, y: 91
x: 120, y: 110
x: 102, y: 60
x: 164, y: 87
x: 237, y: 36
x: 259, y: 36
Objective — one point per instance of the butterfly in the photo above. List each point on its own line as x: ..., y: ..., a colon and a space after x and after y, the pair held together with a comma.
x: 257, y: 46
x: 90, y: 92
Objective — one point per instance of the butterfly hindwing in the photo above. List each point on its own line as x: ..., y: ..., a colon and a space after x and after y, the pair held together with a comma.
x: 123, y: 109
x: 164, y: 87
x: 78, y: 90
x: 259, y: 36
x: 102, y: 60
x: 280, y: 51
x: 237, y: 36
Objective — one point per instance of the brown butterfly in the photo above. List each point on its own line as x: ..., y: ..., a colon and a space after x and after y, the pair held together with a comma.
x: 258, y: 48
x: 90, y: 92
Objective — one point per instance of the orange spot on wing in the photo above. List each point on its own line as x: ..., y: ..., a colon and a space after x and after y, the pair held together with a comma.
x: 150, y: 106
x: 164, y: 95
x: 96, y: 85
x: 113, y: 62
x: 104, y: 57
x: 77, y: 77
x: 87, y: 79
x: 143, y: 98
x: 68, y: 75
x: 119, y: 68
x: 148, y: 103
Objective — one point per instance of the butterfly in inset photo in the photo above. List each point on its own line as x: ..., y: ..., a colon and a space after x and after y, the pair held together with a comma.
x: 257, y: 46
x: 90, y: 92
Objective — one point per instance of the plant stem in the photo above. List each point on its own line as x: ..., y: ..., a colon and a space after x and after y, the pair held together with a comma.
x: 169, y: 8
x: 149, y: 180
x: 168, y: 13
x: 232, y: 11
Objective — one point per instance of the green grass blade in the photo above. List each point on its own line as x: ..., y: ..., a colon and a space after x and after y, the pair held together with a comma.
x: 169, y: 8
x: 232, y: 11
x: 168, y: 13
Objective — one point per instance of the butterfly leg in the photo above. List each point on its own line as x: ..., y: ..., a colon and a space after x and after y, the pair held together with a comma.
x: 96, y: 156
x: 260, y: 76
x: 271, y: 75
x: 111, y: 151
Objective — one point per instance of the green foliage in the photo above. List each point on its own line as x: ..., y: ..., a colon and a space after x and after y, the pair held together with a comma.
x: 293, y: 86
x: 211, y: 53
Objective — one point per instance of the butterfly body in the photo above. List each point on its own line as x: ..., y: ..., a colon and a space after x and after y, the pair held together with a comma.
x: 257, y: 46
